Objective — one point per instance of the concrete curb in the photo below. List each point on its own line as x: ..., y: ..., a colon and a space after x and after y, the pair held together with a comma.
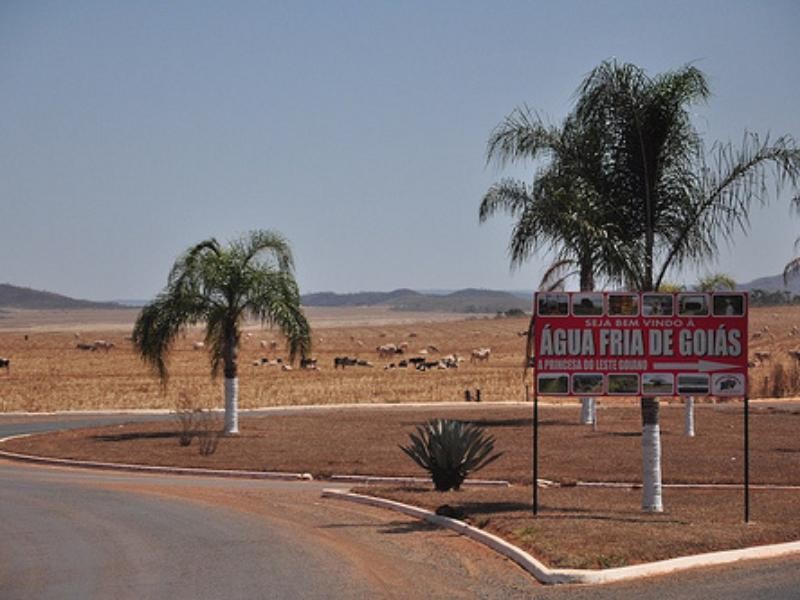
x: 574, y: 576
x: 373, y: 479
x: 687, y: 486
x: 85, y: 464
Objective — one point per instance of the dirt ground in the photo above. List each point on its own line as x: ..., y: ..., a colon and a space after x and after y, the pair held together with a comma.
x: 578, y: 527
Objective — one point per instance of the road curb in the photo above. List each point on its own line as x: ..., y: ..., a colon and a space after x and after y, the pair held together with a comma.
x: 66, y: 462
x: 574, y: 576
x: 373, y: 479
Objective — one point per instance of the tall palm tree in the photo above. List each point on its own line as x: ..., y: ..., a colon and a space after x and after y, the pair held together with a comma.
x: 221, y: 286
x: 675, y: 206
x: 562, y: 209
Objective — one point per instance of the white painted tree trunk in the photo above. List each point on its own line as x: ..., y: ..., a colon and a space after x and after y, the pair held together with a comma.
x: 651, y: 469
x: 688, y: 424
x: 587, y: 411
x: 231, y: 405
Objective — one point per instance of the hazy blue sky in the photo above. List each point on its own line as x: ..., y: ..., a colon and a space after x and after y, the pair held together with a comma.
x: 131, y: 130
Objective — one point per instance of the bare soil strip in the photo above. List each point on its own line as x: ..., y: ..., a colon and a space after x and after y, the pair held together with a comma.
x: 579, y: 527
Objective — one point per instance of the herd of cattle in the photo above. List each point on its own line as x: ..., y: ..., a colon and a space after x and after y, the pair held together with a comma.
x: 421, y: 362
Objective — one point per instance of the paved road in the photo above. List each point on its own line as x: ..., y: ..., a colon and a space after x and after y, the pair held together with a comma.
x: 70, y: 533
x: 73, y: 533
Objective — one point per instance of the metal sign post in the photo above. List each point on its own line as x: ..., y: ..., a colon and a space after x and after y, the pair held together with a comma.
x: 535, y: 453
x: 746, y: 459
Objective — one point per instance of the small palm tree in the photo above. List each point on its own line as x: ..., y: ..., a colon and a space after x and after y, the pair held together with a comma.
x: 222, y: 286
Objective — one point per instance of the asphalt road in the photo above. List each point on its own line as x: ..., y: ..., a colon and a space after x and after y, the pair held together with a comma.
x: 71, y: 533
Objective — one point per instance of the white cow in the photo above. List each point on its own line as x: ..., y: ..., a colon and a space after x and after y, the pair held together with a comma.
x: 480, y: 354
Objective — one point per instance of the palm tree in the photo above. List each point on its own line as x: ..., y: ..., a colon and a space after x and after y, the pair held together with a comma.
x: 792, y: 268
x: 221, y: 287
x: 675, y: 206
x: 562, y: 210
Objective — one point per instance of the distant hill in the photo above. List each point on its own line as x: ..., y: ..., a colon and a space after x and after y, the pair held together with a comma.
x: 772, y: 283
x: 12, y: 296
x: 465, y: 301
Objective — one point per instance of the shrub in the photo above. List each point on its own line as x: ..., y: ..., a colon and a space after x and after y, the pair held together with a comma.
x: 450, y: 450
x: 185, y: 416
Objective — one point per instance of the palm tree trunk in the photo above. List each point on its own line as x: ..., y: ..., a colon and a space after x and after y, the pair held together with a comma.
x: 231, y: 384
x: 688, y: 424
x: 651, y: 457
x: 587, y: 285
x: 587, y: 411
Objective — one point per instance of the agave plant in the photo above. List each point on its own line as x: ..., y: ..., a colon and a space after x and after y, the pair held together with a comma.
x: 450, y: 450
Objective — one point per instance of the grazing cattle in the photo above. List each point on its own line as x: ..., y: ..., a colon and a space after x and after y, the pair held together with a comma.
x: 449, y: 362
x: 286, y: 367
x: 198, y: 346
x: 480, y: 354
x: 434, y: 349
x: 85, y: 346
x: 427, y: 365
x: 5, y: 363
x: 363, y: 363
x: 263, y: 344
x: 387, y: 350
x: 402, y: 364
x: 795, y: 354
x: 763, y: 356
x: 417, y: 361
x: 308, y: 363
x: 412, y: 335
x: 344, y: 361
x: 103, y: 345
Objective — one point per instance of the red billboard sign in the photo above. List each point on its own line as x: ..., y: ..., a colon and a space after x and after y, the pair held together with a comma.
x: 634, y: 344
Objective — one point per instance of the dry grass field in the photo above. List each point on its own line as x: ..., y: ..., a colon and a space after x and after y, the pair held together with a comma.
x: 48, y: 372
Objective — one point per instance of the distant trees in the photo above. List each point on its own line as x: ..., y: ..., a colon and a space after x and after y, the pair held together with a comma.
x: 715, y: 283
x: 221, y: 286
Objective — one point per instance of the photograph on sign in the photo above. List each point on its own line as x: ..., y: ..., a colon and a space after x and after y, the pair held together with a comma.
x: 658, y: 384
x: 727, y: 384
x: 589, y: 304
x: 728, y: 305
x: 692, y: 305
x: 657, y: 305
x: 553, y: 304
x: 690, y: 384
x: 587, y: 383
x: 623, y: 384
x: 626, y: 305
x: 556, y: 384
